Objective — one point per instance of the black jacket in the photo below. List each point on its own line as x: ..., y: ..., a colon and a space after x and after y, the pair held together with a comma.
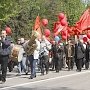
x: 87, y: 53
x: 5, y: 47
x: 61, y: 52
x: 55, y: 51
x: 79, y: 51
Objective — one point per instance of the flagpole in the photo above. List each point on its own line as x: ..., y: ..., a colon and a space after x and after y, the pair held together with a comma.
x: 66, y: 36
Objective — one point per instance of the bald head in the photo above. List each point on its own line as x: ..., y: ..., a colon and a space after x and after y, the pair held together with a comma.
x: 22, y: 40
x: 81, y: 40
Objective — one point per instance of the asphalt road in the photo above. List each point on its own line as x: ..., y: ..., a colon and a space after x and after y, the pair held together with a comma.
x: 64, y: 80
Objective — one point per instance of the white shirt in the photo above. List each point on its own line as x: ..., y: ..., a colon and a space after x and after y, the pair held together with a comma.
x: 45, y: 46
x: 36, y: 52
x: 84, y: 45
x: 20, y: 55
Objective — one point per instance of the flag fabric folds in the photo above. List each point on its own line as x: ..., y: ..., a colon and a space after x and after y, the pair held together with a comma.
x: 37, y: 26
x: 84, y: 21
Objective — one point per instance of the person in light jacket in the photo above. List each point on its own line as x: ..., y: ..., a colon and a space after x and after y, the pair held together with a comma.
x: 21, y: 59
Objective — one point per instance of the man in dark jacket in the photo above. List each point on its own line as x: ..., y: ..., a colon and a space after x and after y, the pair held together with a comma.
x: 87, y: 55
x: 60, y: 55
x: 5, y: 51
x: 79, y: 54
x: 54, y: 50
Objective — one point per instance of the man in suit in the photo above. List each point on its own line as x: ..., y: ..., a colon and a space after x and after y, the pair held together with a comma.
x: 5, y: 51
x: 79, y: 54
x: 87, y: 55
x: 54, y: 51
x: 69, y: 55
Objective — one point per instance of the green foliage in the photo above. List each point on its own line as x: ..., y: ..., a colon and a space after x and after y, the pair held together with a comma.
x: 21, y: 14
x: 8, y: 8
x: 73, y: 9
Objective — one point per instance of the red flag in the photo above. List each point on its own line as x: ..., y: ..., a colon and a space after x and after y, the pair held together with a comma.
x: 84, y: 21
x: 37, y: 23
x: 37, y: 26
x: 57, y: 27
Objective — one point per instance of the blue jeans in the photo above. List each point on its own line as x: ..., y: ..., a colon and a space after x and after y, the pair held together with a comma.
x: 33, y: 65
x: 22, y: 65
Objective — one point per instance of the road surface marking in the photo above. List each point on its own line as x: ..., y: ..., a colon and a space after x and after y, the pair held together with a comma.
x: 34, y: 82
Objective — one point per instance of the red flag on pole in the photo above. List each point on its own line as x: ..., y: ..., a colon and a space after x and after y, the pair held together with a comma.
x: 37, y: 23
x: 37, y: 26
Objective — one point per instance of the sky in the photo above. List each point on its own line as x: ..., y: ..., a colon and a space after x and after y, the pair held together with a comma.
x: 85, y: 1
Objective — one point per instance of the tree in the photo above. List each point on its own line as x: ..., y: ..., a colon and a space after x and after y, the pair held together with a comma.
x: 8, y: 8
x: 22, y: 23
x: 73, y: 10
x: 22, y: 16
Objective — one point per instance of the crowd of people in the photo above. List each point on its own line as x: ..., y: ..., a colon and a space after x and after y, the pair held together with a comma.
x: 46, y: 56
